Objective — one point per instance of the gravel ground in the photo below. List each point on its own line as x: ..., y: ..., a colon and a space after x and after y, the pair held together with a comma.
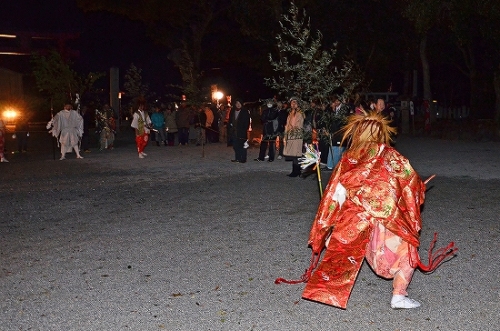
x: 186, y: 240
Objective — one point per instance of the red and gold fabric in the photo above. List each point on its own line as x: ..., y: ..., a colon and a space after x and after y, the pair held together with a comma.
x: 380, y: 189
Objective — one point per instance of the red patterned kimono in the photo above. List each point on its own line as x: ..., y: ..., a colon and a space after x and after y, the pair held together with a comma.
x: 370, y: 209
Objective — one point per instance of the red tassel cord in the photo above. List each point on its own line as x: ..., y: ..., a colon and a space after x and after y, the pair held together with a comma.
x: 434, y: 258
x: 306, y: 276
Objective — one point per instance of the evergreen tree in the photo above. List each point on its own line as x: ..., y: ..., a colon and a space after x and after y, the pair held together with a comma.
x: 58, y: 81
x: 309, y: 72
x: 306, y: 70
x: 135, y: 89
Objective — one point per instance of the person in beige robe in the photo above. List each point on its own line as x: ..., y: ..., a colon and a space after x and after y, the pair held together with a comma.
x: 293, y: 137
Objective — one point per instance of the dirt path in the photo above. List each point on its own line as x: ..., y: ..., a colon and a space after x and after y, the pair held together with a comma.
x: 186, y: 240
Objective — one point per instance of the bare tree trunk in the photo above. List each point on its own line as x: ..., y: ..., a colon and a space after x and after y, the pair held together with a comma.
x: 476, y: 82
x: 426, y: 80
x: 426, y: 75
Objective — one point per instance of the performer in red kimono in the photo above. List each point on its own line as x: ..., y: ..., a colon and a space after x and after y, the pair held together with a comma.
x: 141, y: 123
x: 370, y: 210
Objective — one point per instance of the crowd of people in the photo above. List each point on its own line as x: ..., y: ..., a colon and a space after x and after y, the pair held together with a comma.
x: 163, y: 125
x: 286, y: 126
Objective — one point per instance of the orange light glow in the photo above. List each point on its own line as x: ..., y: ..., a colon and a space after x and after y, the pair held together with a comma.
x: 10, y: 114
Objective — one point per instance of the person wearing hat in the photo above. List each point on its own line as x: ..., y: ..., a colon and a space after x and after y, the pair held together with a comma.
x: 293, y: 137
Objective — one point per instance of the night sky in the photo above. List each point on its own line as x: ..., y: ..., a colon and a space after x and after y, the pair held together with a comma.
x: 106, y: 40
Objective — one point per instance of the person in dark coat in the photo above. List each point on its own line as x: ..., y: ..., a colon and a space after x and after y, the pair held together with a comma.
x: 87, y: 120
x: 182, y: 119
x: 200, y: 123
x: 269, y: 119
x: 330, y: 124
x: 282, y: 117
x: 22, y: 134
x: 239, y: 122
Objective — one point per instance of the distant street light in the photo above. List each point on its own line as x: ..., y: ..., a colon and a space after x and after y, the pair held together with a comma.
x: 218, y: 95
x: 10, y: 114
x: 120, y: 113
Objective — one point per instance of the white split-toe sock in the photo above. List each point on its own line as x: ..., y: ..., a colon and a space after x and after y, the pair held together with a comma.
x: 403, y: 302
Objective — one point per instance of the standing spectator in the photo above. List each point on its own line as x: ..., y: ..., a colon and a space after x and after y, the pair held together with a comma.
x: 338, y: 113
x: 293, y: 137
x: 105, y: 125
x: 3, y: 131
x: 379, y: 106
x: 228, y: 127
x: 158, y: 121
x: 200, y: 127
x: 22, y: 134
x: 214, y: 132
x: 361, y: 108
x: 67, y: 127
x: 311, y: 121
x: 222, y: 123
x: 282, y: 117
x: 170, y: 125
x: 389, y: 113
x: 269, y: 119
x: 141, y: 123
x: 108, y: 112
x: 87, y: 119
x: 323, y: 132
x: 332, y: 120
x: 239, y: 123
x: 183, y: 115
x: 194, y: 122
x: 209, y: 115
x: 112, y: 118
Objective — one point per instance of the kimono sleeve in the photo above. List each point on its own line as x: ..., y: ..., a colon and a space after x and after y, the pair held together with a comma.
x: 327, y: 213
x: 406, y: 219
x: 56, y: 125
